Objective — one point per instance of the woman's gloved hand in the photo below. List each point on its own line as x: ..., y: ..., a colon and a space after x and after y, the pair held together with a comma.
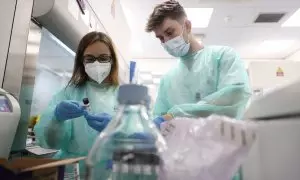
x: 68, y: 109
x: 98, y: 121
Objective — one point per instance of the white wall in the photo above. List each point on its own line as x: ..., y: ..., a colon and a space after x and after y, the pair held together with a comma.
x: 116, y: 26
x: 160, y: 66
x: 263, y: 73
x: 294, y: 57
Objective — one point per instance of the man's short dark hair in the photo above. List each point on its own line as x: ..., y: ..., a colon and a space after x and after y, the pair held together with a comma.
x: 169, y: 9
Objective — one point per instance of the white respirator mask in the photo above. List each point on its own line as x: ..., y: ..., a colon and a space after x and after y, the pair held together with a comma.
x: 177, y: 46
x: 98, y: 71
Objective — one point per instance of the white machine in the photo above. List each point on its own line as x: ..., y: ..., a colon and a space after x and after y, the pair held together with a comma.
x: 9, y: 119
x: 276, y: 153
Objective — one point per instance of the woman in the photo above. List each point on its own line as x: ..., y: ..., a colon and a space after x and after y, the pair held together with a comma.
x: 66, y: 125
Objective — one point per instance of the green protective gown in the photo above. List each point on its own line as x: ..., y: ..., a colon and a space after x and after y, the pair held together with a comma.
x: 74, y: 138
x: 210, y: 81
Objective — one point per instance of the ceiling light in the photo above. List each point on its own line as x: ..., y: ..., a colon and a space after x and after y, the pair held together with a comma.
x: 293, y: 21
x: 200, y: 17
x: 275, y: 45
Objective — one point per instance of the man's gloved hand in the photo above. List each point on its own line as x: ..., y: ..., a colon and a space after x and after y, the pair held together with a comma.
x: 157, y: 121
x: 98, y: 121
x: 68, y: 109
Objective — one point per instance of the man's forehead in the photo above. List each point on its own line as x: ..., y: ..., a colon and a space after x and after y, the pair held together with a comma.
x: 165, y: 25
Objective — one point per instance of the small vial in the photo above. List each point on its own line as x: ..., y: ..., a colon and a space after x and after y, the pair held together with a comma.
x: 86, y: 104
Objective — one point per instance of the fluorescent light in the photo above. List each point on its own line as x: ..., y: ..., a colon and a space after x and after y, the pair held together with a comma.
x: 275, y: 45
x: 199, y: 17
x: 293, y: 21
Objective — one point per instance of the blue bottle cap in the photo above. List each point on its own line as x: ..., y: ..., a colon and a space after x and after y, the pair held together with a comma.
x: 132, y: 94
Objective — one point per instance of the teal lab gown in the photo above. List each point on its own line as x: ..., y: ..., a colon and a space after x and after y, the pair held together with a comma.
x: 210, y: 81
x: 74, y: 138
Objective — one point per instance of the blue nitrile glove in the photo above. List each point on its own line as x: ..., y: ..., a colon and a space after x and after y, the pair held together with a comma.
x: 98, y: 121
x: 147, y: 139
x: 157, y: 121
x: 142, y: 136
x: 68, y: 109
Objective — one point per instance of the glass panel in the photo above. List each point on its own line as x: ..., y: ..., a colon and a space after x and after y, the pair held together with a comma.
x: 54, y: 70
x: 48, y: 68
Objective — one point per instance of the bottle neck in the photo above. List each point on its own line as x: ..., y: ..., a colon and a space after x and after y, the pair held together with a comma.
x: 134, y: 116
x: 136, y: 109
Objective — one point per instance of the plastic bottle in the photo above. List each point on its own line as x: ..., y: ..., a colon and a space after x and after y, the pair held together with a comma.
x: 130, y: 147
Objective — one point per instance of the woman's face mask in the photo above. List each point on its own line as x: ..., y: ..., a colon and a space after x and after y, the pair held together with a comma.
x: 177, y: 46
x: 98, y: 71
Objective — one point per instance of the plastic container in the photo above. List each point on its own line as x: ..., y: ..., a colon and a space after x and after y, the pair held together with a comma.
x: 130, y: 147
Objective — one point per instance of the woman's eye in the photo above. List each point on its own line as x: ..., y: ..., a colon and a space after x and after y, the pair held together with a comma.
x: 90, y: 59
x: 105, y: 58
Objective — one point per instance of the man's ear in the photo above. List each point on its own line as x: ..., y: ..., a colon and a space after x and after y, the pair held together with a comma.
x: 188, y: 26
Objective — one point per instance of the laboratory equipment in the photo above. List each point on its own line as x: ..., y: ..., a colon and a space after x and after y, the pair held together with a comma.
x: 275, y: 154
x: 130, y: 147
x: 9, y: 119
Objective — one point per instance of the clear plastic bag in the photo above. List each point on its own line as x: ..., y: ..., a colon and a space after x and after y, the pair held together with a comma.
x: 210, y: 148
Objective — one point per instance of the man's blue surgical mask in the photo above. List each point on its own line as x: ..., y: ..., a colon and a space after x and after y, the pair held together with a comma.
x: 177, y: 46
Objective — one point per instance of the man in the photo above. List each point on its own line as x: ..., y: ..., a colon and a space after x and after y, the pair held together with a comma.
x: 207, y: 80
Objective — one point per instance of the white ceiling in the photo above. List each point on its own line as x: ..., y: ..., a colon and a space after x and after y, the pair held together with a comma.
x: 239, y: 32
